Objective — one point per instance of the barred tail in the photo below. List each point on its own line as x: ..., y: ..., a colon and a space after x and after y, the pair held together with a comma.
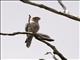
x: 28, y: 41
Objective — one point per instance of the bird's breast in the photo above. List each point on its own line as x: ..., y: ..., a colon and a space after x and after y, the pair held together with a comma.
x: 34, y: 27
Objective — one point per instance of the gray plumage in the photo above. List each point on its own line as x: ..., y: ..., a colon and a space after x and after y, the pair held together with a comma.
x: 31, y: 27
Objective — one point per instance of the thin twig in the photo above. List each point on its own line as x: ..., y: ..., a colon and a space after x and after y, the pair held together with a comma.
x: 52, y: 10
x: 52, y: 55
x: 62, y: 5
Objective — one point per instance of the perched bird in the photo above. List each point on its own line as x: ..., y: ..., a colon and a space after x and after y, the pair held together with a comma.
x: 31, y: 27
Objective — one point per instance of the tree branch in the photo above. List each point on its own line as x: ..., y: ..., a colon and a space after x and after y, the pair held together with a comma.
x: 41, y: 37
x: 52, y: 10
x: 15, y: 33
x: 55, y: 51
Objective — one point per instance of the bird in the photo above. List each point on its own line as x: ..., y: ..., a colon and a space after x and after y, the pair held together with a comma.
x: 32, y: 27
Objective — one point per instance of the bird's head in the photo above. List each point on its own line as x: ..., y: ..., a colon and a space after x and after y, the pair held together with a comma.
x: 35, y: 19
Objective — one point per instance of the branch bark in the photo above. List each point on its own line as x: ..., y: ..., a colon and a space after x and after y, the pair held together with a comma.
x: 15, y: 33
x: 41, y: 37
x: 52, y: 10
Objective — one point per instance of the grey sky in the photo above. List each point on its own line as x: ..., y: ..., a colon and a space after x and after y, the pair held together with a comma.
x: 14, y: 16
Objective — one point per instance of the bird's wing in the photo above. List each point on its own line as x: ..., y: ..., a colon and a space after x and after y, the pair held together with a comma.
x: 44, y: 37
x: 27, y: 26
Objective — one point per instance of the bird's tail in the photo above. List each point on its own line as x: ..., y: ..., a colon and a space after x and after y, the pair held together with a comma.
x: 28, y: 41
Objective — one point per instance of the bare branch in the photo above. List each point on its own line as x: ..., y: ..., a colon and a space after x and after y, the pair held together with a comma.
x: 52, y: 10
x: 55, y: 51
x: 15, y: 33
x: 41, y: 59
x: 41, y: 37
